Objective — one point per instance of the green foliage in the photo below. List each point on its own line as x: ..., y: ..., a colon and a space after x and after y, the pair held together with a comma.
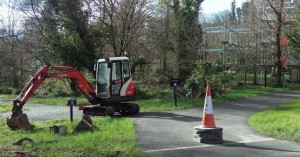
x: 186, y: 32
x: 281, y: 122
x: 56, y: 88
x: 153, y: 92
x: 71, y: 38
x: 140, y: 62
x: 7, y: 90
x: 110, y: 137
x: 224, y: 81
x: 206, y: 73
x: 201, y: 76
x: 294, y: 36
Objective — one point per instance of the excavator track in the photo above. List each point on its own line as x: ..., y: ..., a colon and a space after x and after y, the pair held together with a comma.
x: 98, y: 110
x: 129, y: 109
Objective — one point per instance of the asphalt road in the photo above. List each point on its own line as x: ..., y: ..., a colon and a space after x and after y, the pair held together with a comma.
x: 171, y: 133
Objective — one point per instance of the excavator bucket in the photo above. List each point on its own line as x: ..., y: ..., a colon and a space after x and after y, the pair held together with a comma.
x: 19, y: 122
x: 85, y: 124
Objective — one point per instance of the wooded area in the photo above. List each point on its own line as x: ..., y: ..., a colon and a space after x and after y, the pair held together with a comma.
x: 165, y: 39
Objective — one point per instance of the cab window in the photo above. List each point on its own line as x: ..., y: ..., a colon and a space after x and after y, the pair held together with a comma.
x: 126, y: 70
x: 116, y: 71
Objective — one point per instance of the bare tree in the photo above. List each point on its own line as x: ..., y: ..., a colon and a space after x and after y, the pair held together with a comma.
x: 10, y: 36
x: 123, y: 22
x: 277, y: 8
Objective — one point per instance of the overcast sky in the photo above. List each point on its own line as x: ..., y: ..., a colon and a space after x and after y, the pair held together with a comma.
x: 214, y: 6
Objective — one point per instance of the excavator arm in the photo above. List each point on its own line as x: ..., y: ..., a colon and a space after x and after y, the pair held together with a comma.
x: 38, y: 78
x: 60, y: 72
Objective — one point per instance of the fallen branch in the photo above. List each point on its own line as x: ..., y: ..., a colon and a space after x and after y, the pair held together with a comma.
x: 20, y: 141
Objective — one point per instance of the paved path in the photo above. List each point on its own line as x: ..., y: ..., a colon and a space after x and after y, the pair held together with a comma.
x: 171, y: 133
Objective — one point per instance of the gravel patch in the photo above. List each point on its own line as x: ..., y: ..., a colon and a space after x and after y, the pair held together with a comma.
x: 41, y: 112
x: 3, y: 100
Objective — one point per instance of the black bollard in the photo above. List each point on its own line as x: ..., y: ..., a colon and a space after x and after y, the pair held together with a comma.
x: 71, y: 103
x: 174, y: 83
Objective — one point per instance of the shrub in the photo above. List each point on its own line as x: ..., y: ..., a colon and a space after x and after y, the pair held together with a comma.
x: 201, y: 76
x: 153, y: 92
x: 7, y: 90
x: 56, y: 88
x: 206, y: 73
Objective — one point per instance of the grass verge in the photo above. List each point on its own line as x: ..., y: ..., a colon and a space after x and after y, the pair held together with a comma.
x: 111, y: 137
x: 242, y: 93
x: 281, y: 122
x: 5, y: 108
x: 167, y: 104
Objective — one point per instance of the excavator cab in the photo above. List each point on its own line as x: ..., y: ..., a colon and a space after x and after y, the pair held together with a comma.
x: 114, y: 88
x: 114, y: 81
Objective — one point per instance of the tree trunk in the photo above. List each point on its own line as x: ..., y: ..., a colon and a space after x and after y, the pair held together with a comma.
x: 278, y: 10
x: 254, y: 76
x: 278, y: 50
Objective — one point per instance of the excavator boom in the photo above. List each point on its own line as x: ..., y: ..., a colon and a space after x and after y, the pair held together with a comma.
x: 19, y: 120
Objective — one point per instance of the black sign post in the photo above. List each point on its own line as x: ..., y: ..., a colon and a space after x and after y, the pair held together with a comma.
x: 175, y: 96
x: 174, y: 83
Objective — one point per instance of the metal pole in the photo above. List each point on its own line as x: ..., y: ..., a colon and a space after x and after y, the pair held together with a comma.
x: 175, y: 95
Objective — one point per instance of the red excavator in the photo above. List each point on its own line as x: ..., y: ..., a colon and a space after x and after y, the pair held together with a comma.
x: 114, y: 88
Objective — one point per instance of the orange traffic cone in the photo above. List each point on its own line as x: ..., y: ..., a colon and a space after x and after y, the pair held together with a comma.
x: 208, y: 120
x: 207, y: 132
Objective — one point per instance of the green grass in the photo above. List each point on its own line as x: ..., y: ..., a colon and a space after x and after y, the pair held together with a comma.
x: 166, y: 104
x: 242, y: 93
x: 7, y: 97
x: 5, y: 108
x: 280, y: 122
x: 111, y: 137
